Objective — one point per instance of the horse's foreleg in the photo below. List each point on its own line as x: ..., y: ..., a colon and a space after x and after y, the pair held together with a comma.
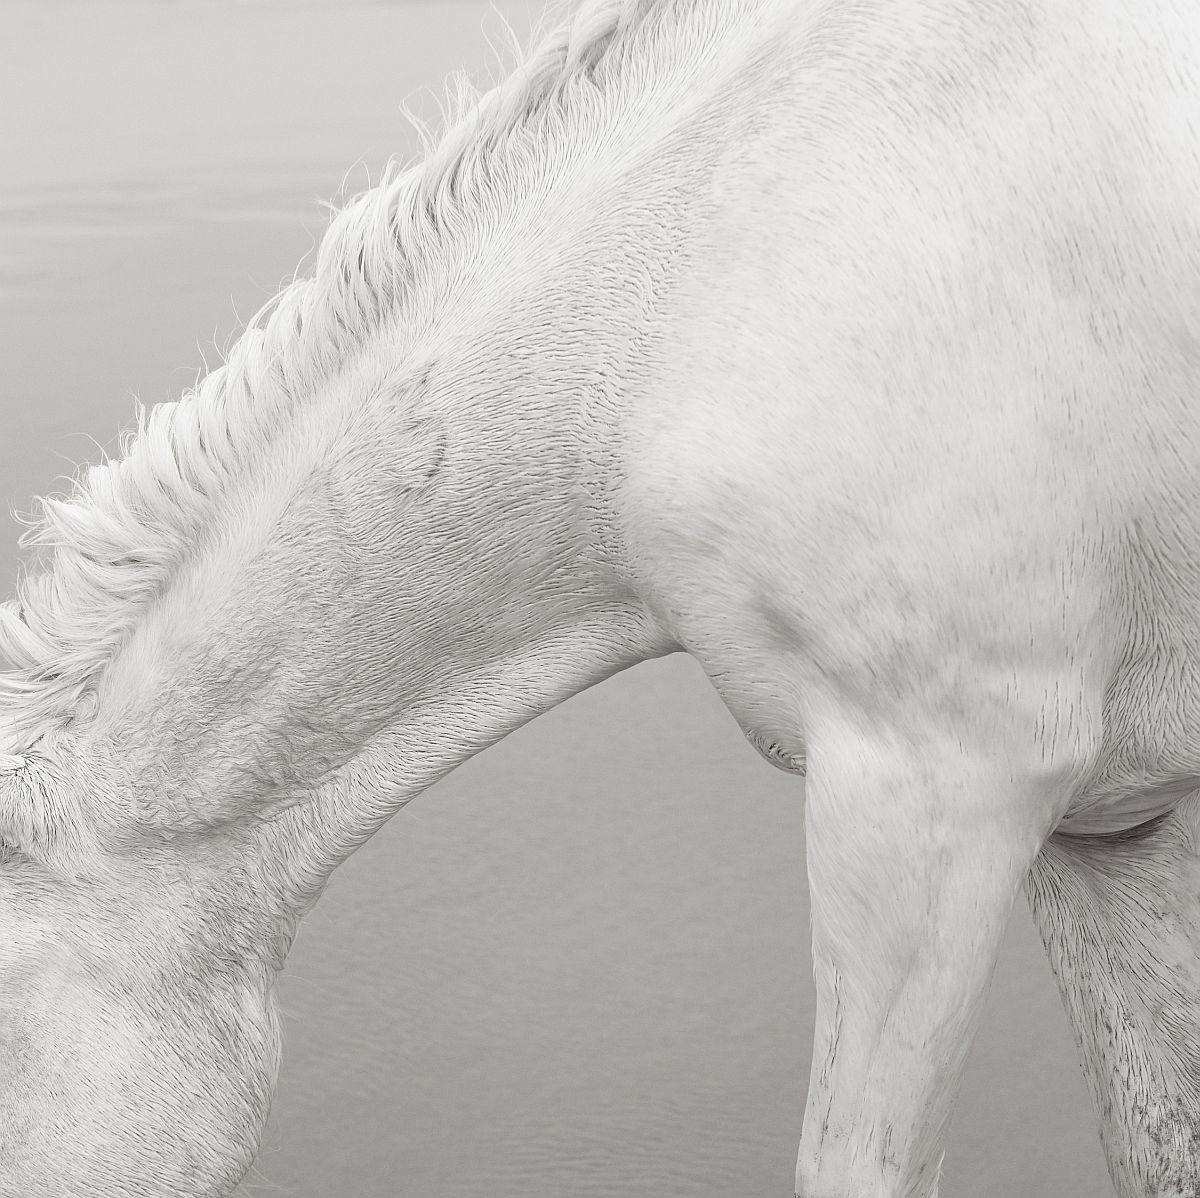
x: 1120, y: 917
x: 915, y: 855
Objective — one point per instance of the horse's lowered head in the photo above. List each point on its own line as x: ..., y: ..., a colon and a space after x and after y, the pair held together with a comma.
x: 138, y: 1036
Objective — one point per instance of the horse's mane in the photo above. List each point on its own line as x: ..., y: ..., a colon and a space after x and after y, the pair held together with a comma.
x: 107, y: 550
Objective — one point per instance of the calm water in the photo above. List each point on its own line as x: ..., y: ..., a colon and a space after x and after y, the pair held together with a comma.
x: 579, y: 965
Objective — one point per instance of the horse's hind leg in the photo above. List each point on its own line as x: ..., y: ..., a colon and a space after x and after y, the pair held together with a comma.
x: 915, y: 855
x: 1120, y: 916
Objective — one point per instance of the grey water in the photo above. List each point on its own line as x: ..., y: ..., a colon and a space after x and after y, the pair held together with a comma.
x: 579, y: 964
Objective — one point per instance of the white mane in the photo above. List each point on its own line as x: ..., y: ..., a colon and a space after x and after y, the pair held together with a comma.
x: 108, y: 549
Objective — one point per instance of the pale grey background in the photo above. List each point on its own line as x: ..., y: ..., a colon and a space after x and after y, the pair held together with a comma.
x: 580, y: 964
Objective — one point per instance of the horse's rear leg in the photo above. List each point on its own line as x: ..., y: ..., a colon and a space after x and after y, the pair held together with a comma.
x: 1120, y: 917
x: 915, y: 855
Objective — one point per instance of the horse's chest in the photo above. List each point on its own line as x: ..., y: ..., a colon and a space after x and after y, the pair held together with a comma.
x: 1149, y: 756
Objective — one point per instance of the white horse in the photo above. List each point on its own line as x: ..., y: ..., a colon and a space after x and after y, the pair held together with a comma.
x: 852, y: 346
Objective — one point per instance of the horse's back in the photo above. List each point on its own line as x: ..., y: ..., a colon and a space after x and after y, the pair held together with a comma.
x: 924, y: 419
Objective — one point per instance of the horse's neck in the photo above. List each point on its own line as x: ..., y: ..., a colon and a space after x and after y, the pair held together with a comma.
x: 431, y: 553
x: 418, y: 560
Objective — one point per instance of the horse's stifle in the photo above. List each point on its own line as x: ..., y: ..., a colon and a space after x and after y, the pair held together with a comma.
x: 851, y: 346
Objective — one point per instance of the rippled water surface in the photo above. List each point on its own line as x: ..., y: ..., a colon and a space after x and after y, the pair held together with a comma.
x: 579, y: 965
